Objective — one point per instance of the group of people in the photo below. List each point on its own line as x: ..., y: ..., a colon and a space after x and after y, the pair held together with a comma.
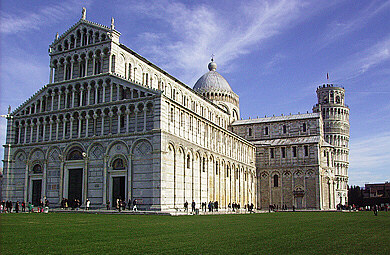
x: 121, y: 205
x: 211, y: 206
x: 275, y: 208
x: 192, y: 206
x: 75, y: 204
x: 9, y: 206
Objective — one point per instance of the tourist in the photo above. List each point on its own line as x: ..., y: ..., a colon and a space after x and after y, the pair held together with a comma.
x: 375, y: 208
x: 135, y: 205
x: 123, y: 205
x: 23, y: 206
x: 108, y: 205
x: 17, y: 207
x: 186, y: 206
x: 216, y: 205
x: 8, y: 206
x: 193, y: 206
x: 40, y: 206
x: 88, y: 203
x: 47, y: 202
x: 3, y: 206
x: 129, y: 203
x: 30, y: 207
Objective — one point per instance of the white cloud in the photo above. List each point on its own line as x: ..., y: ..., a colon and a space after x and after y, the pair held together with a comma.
x: 370, y: 159
x: 364, y: 61
x: 198, y: 31
x: 341, y: 28
x: 27, y: 20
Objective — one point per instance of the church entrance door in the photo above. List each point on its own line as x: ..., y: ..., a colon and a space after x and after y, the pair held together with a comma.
x: 36, y: 191
x: 299, y: 202
x: 75, y: 187
x: 118, y: 189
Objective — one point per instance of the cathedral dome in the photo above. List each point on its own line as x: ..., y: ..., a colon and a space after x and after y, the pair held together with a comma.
x: 212, y: 81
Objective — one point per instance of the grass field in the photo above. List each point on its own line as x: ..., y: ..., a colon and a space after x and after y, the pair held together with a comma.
x: 275, y: 233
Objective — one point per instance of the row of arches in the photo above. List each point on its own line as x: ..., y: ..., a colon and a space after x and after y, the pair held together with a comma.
x: 290, y: 187
x: 83, y: 36
x: 229, y: 97
x: 120, y: 119
x: 203, y: 176
x: 78, y: 65
x: 335, y: 113
x: 73, y: 95
x: 128, y: 67
x: 184, y: 124
x: 115, y: 159
x: 337, y: 140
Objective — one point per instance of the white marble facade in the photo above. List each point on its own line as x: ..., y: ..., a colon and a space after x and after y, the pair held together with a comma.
x: 110, y: 123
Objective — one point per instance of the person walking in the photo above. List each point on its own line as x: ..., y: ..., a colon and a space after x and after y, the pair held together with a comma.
x: 88, y: 203
x: 17, y: 207
x: 193, y: 206
x: 30, y: 207
x: 108, y: 205
x: 375, y: 208
x: 135, y: 205
x: 186, y: 206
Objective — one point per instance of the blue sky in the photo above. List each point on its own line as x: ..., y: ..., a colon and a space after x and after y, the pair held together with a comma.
x: 273, y: 53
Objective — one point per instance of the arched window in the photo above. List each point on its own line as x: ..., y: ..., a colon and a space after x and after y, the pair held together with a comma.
x: 37, y: 169
x: 266, y: 131
x: 250, y: 131
x: 82, y: 69
x: 98, y: 66
x: 276, y: 180
x: 129, y: 77
x: 118, y: 164
x: 338, y: 99
x: 172, y: 115
x: 67, y: 73
x: 284, y: 129
x: 75, y: 154
x: 113, y: 63
x: 304, y: 127
x: 188, y: 161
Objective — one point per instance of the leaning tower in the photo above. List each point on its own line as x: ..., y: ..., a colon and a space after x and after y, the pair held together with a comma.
x: 335, y: 115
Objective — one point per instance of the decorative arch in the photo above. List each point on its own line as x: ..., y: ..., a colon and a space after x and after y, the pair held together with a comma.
x: 116, y: 147
x: 53, y: 153
x: 36, y: 153
x: 141, y: 147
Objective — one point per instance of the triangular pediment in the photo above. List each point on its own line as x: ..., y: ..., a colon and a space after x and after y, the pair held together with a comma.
x: 81, y: 26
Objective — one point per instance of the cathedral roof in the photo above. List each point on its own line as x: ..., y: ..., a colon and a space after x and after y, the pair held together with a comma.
x: 212, y: 81
x: 289, y: 141
x: 313, y: 115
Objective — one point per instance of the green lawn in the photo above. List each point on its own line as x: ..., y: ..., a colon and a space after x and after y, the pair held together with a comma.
x: 277, y: 233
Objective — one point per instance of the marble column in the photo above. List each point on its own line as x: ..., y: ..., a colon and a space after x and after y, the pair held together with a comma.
x: 81, y: 96
x: 59, y: 100
x: 80, y: 126
x: 89, y: 94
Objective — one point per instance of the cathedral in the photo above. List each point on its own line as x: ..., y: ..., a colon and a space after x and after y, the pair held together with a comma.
x: 110, y: 124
